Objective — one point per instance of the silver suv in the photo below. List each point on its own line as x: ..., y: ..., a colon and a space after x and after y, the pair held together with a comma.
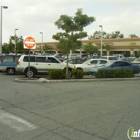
x: 39, y: 64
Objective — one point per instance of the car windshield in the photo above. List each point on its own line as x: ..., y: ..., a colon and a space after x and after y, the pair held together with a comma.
x: 109, y: 63
x: 138, y: 60
x: 87, y: 62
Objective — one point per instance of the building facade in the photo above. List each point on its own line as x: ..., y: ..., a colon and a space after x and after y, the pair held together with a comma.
x: 128, y: 46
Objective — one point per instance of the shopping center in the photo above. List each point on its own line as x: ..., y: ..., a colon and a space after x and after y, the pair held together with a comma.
x: 128, y: 46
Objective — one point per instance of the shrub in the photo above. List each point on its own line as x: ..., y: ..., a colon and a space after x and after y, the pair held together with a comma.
x: 77, y: 73
x: 57, y: 74
x: 115, y: 73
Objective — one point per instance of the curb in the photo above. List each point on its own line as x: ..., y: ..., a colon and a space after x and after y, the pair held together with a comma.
x: 43, y: 80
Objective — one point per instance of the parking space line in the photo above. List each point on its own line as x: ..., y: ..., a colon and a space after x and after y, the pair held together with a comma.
x: 15, y: 122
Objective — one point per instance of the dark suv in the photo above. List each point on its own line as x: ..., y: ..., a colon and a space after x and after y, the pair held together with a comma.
x: 8, y: 63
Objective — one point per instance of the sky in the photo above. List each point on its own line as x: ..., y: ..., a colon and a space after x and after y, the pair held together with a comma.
x: 31, y: 17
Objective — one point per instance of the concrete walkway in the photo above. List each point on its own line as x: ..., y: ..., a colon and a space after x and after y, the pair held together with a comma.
x: 86, y: 78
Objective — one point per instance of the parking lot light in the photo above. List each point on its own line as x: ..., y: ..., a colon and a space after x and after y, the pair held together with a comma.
x: 2, y: 7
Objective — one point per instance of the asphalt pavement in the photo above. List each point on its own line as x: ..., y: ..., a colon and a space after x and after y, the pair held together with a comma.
x: 101, y: 110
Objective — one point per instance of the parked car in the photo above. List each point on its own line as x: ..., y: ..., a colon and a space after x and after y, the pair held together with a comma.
x: 116, y: 65
x: 39, y: 64
x: 8, y: 63
x: 74, y: 61
x: 110, y: 58
x: 87, y: 65
x: 136, y: 62
x: 119, y: 56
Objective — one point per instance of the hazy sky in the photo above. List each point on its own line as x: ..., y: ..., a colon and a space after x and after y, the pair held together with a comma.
x: 31, y: 17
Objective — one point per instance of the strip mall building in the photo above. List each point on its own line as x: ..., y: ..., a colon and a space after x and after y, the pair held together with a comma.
x: 128, y: 46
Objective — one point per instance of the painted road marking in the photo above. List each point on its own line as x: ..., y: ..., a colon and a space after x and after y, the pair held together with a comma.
x: 15, y: 122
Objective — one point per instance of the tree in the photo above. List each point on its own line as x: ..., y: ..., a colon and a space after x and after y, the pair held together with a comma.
x: 10, y: 47
x: 138, y: 53
x: 106, y: 46
x: 90, y: 48
x: 133, y: 36
x: 116, y: 34
x: 72, y: 31
x: 97, y: 35
x: 47, y: 47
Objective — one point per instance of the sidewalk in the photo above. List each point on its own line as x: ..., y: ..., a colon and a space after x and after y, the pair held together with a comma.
x: 86, y: 78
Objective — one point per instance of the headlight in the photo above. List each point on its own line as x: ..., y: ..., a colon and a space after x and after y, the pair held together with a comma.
x: 74, y: 67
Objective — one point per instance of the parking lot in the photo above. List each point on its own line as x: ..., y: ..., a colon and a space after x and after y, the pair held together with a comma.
x: 68, y: 111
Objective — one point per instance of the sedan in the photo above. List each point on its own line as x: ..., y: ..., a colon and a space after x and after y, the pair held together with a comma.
x: 90, y: 63
x: 116, y: 65
x: 74, y: 61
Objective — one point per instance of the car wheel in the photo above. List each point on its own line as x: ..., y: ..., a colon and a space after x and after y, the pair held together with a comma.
x: 30, y: 73
x: 11, y: 71
x: 69, y: 72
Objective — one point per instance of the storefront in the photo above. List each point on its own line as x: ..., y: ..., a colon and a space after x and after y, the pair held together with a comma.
x: 128, y: 46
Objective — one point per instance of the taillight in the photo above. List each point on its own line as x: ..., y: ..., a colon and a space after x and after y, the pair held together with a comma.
x: 18, y: 62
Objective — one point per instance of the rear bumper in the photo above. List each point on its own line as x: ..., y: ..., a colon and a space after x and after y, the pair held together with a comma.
x: 3, y: 68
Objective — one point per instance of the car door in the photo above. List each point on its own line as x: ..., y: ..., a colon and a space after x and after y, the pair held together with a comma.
x: 90, y: 65
x: 127, y: 66
x: 116, y: 65
x: 102, y: 62
x: 40, y: 64
x: 53, y: 63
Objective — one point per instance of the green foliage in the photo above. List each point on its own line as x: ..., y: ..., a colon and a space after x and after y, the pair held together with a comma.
x: 90, y: 48
x: 138, y: 53
x: 133, y: 36
x: 73, y: 30
x: 10, y: 47
x: 107, y: 47
x: 57, y: 74
x: 77, y: 73
x: 115, y: 73
x: 47, y: 47
x: 97, y: 35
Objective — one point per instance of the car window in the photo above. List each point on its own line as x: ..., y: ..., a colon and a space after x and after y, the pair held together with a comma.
x: 8, y: 58
x: 126, y: 64
x: 71, y: 61
x: 93, y: 62
x: 26, y: 59
x: 112, y: 58
x: 117, y: 64
x: 103, y: 57
x: 102, y: 62
x: 16, y: 58
x: 40, y: 59
x: 52, y: 60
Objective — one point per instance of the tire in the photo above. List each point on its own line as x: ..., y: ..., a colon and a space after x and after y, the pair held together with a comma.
x: 69, y: 74
x: 10, y: 71
x: 30, y: 73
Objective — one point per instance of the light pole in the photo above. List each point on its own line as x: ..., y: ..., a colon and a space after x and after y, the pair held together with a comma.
x: 15, y: 42
x: 101, y: 38
x: 42, y: 42
x: 2, y: 7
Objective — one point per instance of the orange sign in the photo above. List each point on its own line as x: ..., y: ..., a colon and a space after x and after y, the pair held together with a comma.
x: 29, y: 43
